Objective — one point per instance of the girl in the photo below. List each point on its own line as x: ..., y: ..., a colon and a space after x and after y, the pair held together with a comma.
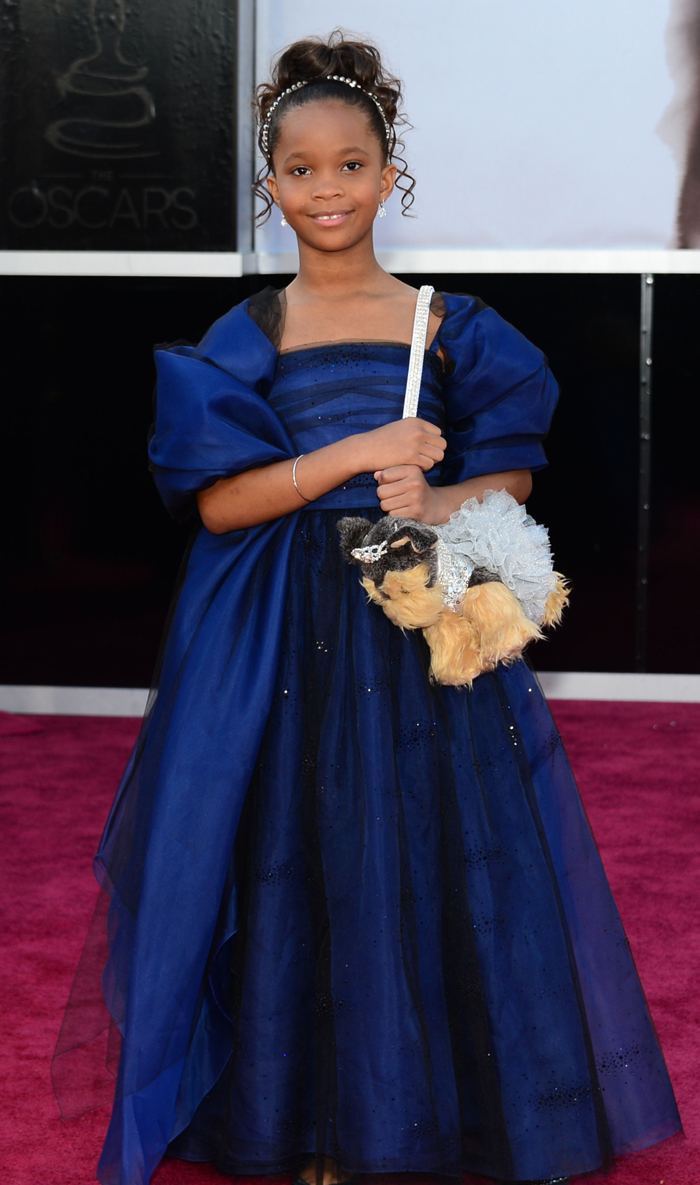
x: 357, y: 921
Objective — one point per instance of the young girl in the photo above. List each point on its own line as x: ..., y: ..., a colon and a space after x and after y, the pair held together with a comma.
x: 357, y: 922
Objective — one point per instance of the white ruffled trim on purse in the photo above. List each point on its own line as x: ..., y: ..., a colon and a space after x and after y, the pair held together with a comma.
x: 499, y: 534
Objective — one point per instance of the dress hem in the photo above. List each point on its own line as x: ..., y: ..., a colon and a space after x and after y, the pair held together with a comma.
x: 297, y: 1160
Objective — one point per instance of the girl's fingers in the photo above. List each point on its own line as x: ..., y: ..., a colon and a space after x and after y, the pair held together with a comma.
x: 429, y: 427
x: 394, y: 501
x: 396, y: 506
x: 394, y: 473
x: 405, y: 501
x: 392, y: 488
x: 435, y: 437
x: 395, y: 496
x: 406, y: 512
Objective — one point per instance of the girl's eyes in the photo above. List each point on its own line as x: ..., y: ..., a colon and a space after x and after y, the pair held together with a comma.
x: 304, y: 171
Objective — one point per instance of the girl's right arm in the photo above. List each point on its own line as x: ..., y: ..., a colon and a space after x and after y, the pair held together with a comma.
x: 260, y: 495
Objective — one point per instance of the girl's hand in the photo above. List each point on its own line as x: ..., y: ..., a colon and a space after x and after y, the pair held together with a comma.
x: 402, y: 442
x: 404, y: 492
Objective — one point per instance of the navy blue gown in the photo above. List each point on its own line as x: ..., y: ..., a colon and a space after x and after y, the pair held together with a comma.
x: 352, y: 912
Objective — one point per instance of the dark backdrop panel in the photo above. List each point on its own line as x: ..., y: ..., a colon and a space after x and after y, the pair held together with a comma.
x: 674, y: 577
x: 117, y: 125
x: 90, y: 555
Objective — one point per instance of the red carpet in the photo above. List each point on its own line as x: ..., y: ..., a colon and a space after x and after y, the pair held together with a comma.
x: 638, y: 766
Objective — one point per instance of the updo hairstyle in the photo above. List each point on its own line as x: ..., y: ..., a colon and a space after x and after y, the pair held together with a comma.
x: 311, y: 61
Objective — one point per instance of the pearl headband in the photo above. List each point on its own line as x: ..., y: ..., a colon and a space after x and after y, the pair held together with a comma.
x: 329, y: 78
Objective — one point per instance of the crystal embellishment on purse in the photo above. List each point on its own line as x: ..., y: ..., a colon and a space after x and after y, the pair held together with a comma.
x: 480, y: 587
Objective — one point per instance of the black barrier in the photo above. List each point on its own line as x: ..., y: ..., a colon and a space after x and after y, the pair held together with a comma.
x: 89, y: 555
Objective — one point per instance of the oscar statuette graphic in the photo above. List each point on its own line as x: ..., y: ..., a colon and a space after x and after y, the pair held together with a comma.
x: 110, y: 107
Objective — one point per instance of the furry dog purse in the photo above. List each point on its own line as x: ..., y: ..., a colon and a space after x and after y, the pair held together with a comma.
x: 480, y: 586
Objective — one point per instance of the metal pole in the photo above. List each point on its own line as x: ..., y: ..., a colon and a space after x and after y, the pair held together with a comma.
x: 646, y: 318
x: 245, y: 137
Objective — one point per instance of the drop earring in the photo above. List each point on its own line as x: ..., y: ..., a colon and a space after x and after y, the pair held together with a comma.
x: 382, y: 210
x: 284, y: 221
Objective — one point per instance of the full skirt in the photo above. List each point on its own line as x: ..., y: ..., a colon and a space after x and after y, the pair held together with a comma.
x: 427, y: 972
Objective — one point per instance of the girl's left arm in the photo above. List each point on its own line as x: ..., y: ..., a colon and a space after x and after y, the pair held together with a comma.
x: 403, y: 491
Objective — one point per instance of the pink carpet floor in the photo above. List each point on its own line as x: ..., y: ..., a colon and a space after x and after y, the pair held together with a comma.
x: 638, y: 767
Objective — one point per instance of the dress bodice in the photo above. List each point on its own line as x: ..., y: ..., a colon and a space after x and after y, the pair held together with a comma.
x: 326, y: 392
x: 235, y: 402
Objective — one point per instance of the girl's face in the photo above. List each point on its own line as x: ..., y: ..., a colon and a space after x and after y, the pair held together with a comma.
x: 330, y: 174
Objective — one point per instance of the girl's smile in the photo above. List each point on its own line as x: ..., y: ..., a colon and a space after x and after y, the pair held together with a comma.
x: 332, y: 218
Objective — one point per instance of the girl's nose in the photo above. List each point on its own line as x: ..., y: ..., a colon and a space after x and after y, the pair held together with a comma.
x: 327, y: 187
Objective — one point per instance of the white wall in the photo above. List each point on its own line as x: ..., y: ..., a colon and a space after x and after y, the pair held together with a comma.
x: 535, y: 122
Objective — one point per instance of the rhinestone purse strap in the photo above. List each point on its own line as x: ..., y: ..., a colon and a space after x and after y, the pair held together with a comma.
x: 415, y: 362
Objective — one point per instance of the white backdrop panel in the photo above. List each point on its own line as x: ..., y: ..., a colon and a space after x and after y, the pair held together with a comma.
x: 535, y: 124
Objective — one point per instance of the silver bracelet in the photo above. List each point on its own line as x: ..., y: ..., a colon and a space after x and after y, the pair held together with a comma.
x: 294, y: 478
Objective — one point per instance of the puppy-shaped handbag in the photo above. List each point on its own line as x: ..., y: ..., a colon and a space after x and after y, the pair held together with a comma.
x: 480, y: 586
